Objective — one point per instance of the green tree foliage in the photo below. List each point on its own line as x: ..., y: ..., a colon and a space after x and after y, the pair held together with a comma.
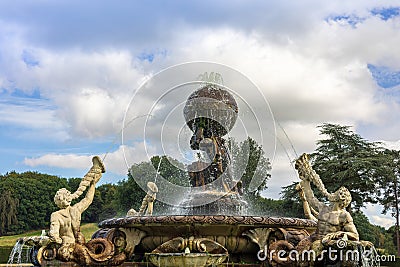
x: 366, y: 230
x: 250, y: 157
x: 291, y: 203
x: 390, y: 241
x: 384, y: 240
x: 389, y: 192
x: 390, y: 183
x: 171, y: 169
x: 8, y: 210
x: 344, y: 158
x: 130, y: 192
x: 34, y: 192
x: 252, y: 168
x: 108, y: 204
x: 103, y: 205
x: 261, y: 206
x: 103, y: 202
x: 27, y: 201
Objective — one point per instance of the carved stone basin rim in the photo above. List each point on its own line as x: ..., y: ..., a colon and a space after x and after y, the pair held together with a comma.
x: 186, y: 259
x: 206, y: 219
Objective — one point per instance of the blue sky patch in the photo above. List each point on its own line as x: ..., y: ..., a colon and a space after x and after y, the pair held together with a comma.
x: 150, y: 56
x: 384, y: 76
x: 22, y: 94
x: 386, y: 13
x: 29, y: 59
x: 351, y: 20
x: 146, y: 57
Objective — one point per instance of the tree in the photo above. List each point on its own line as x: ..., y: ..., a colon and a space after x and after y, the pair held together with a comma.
x: 34, y: 193
x: 130, y: 192
x: 173, y: 172
x: 251, y: 167
x: 368, y: 231
x: 249, y: 156
x: 292, y: 204
x: 8, y: 210
x: 108, y: 204
x: 171, y: 169
x: 390, y: 241
x: 102, y: 205
x: 344, y: 158
x: 389, y: 192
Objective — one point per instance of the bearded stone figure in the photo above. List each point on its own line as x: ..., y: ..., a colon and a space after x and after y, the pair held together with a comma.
x: 334, y: 221
x: 335, y: 231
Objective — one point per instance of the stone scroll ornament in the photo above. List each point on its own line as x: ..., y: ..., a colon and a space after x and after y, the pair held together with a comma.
x: 66, y: 243
x: 335, y: 229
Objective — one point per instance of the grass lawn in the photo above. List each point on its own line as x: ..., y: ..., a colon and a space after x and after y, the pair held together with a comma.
x: 9, y: 241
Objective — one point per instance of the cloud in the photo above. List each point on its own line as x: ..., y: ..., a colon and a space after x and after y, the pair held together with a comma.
x: 308, y: 80
x: 92, y: 87
x: 93, y: 25
x: 63, y: 161
x: 90, y: 90
x: 394, y: 145
x: 31, y: 118
x: 338, y: 90
x: 117, y: 161
x: 385, y: 222
x: 383, y: 219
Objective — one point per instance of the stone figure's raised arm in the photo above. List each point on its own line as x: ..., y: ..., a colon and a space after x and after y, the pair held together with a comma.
x: 309, y: 194
x: 307, y: 175
x: 309, y: 211
x: 306, y: 172
x: 91, y: 178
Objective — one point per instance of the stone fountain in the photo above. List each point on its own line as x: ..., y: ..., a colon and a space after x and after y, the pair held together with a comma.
x: 211, y: 229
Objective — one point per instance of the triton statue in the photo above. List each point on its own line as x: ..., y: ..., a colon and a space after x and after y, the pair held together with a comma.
x: 335, y: 236
x: 334, y: 222
x: 335, y: 241
x: 66, y: 243
x: 65, y: 223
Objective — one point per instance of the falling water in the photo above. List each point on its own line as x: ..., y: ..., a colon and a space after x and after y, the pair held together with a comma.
x: 16, y: 255
x: 158, y: 170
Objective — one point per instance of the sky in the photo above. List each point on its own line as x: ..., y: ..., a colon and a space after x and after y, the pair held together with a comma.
x: 69, y: 71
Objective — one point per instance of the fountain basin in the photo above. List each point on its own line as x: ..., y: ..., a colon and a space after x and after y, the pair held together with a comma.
x: 185, y: 259
x: 229, y: 231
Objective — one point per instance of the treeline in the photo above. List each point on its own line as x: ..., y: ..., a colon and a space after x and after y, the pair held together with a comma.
x: 26, y: 201
x: 342, y: 158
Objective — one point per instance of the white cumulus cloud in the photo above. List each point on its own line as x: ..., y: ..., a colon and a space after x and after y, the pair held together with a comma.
x: 117, y: 161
